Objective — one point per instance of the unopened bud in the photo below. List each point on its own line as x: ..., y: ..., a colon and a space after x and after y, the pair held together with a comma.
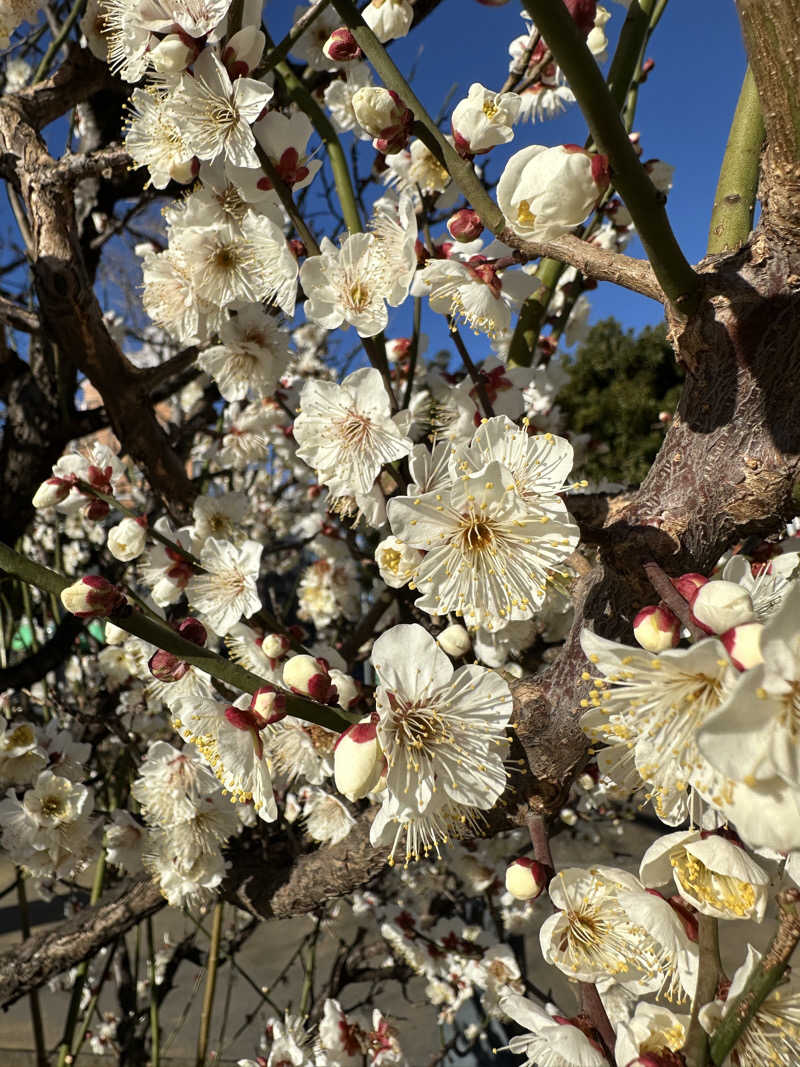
x: 166, y: 667
x: 656, y: 628
x: 51, y: 492
x: 95, y: 509
x: 688, y: 584
x: 243, y: 51
x: 384, y: 116
x: 268, y: 704
x: 172, y: 55
x: 526, y: 878
x: 127, y: 539
x: 192, y: 630
x: 454, y: 640
x: 583, y: 14
x: 743, y: 645
x: 465, y: 225
x: 92, y: 597
x: 184, y: 173
x: 274, y: 646
x: 341, y: 46
x: 348, y: 689
x: 719, y: 605
x: 568, y: 816
x: 308, y: 676
x: 358, y: 760
x: 662, y: 1058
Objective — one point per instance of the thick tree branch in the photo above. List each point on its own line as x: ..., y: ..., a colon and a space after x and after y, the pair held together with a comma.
x: 771, y: 31
x: 18, y: 318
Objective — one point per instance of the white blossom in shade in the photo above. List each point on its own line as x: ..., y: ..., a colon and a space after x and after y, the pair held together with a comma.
x: 442, y: 731
x: 549, y: 1042
x: 300, y: 750
x: 227, y: 590
x: 417, y: 170
x: 545, y: 192
x: 346, y: 432
x: 181, y: 882
x: 169, y: 784
x: 21, y: 755
x: 124, y: 840
x: 216, y: 114
x: 338, y: 97
x: 652, y: 1029
x: 489, y: 553
x: 252, y: 354
x: 169, y: 297
x: 752, y: 736
x: 164, y: 570
x: 443, y: 411
x: 328, y: 590
x: 430, y: 468
x: 396, y: 562
x: 546, y: 99
x: 540, y: 463
x: 250, y: 262
x: 326, y: 818
x: 476, y: 292
x: 772, y: 1035
x: 220, y: 516
x: 648, y: 709
x: 713, y: 874
x: 117, y: 34
x: 284, y: 139
x: 232, y: 739
x: 484, y: 119
x: 246, y: 435
x: 388, y: 19
x: 610, y: 929
x: 155, y: 139
x: 768, y: 584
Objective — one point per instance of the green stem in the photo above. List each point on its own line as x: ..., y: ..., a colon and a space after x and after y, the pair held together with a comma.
x: 735, y: 198
x: 92, y: 1005
x: 163, y: 636
x: 280, y: 51
x: 460, y: 170
x: 33, y: 996
x: 696, y: 1048
x: 155, y: 1034
x: 767, y: 975
x: 285, y: 197
x: 336, y: 157
x: 211, y: 985
x: 644, y: 202
x: 65, y: 1048
x: 532, y: 313
x: 58, y: 40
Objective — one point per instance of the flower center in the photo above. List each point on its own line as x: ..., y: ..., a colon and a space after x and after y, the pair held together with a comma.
x: 359, y: 296
x: 53, y: 807
x: 720, y: 890
x: 476, y: 534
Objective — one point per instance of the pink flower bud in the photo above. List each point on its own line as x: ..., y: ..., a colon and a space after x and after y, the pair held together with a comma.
x: 192, y: 630
x: 95, y: 510
x: 743, y: 645
x: 656, y: 628
x: 719, y: 605
x: 583, y: 13
x: 662, y: 1058
x: 358, y: 760
x: 92, y: 597
x: 384, y: 116
x: 172, y: 54
x: 454, y: 640
x: 268, y: 704
x: 526, y: 878
x: 51, y: 492
x: 465, y: 225
x: 688, y: 584
x: 166, y: 667
x: 341, y: 46
x: 308, y: 676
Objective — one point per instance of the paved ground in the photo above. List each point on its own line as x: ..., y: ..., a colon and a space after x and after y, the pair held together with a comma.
x: 264, y: 956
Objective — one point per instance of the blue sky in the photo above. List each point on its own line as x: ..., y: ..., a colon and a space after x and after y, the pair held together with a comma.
x: 683, y: 117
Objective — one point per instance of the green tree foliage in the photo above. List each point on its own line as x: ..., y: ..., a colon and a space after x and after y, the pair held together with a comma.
x: 619, y: 383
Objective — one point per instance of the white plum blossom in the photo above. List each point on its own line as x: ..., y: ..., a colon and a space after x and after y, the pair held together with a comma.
x: 155, y: 139
x: 226, y: 590
x: 338, y: 97
x: 252, y: 354
x: 477, y: 292
x: 489, y: 552
x: 545, y: 192
x: 388, y: 19
x: 651, y: 1029
x: 346, y: 432
x: 484, y: 119
x: 549, y: 1042
x: 216, y: 113
x: 442, y: 732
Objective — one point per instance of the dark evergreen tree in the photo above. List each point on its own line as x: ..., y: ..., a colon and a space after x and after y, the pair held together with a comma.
x: 619, y: 384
